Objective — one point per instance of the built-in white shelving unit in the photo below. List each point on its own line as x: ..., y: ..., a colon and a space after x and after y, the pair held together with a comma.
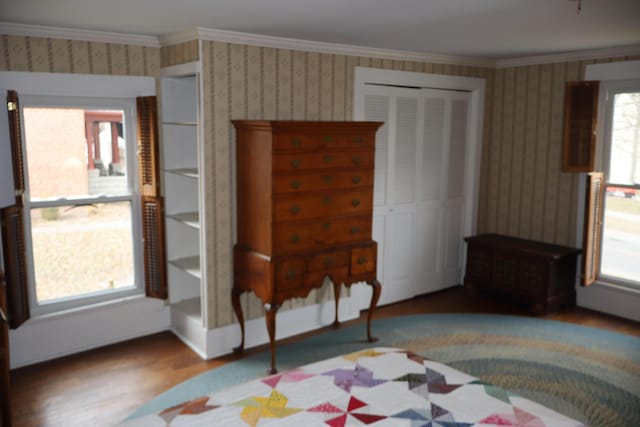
x: 181, y: 141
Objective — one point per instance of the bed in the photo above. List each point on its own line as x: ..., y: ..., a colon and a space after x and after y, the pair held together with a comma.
x: 380, y: 386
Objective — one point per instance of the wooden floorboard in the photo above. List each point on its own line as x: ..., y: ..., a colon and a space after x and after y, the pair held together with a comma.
x: 101, y: 387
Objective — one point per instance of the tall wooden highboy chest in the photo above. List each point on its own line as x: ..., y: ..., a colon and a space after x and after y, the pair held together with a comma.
x: 304, y: 212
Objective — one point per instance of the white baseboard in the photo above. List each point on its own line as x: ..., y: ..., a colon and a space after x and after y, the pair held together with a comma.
x: 56, y: 335
x: 52, y: 336
x: 607, y: 298
x: 220, y: 341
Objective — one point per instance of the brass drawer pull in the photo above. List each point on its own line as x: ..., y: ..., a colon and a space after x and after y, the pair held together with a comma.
x: 295, y: 184
x: 356, y: 179
x: 295, y: 238
x: 328, y: 262
x: 327, y: 178
x: 295, y: 209
x: 356, y: 160
x: 328, y: 138
x: 295, y: 163
x: 355, y: 203
x: 327, y: 159
x: 357, y: 140
x: 363, y: 260
x: 326, y: 225
x: 326, y: 200
x: 355, y: 230
x: 295, y: 142
x: 291, y: 274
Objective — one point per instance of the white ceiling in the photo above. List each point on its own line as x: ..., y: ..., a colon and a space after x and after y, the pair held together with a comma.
x: 496, y: 29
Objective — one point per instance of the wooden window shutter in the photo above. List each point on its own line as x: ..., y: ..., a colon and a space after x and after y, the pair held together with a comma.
x: 580, y: 119
x: 592, y: 228
x: 155, y: 270
x: 12, y: 220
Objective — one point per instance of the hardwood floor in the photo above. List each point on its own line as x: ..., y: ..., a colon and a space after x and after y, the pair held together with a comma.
x: 101, y: 387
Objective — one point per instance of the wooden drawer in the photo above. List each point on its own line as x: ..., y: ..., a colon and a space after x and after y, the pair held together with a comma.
x: 325, y: 160
x: 288, y: 141
x: 296, y: 236
x: 363, y: 260
x: 328, y: 261
x: 323, y: 204
x: 293, y: 182
x: 290, y: 273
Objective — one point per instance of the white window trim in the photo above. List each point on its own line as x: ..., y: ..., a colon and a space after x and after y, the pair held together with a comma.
x: 604, y: 296
x: 129, y: 119
x: 608, y: 91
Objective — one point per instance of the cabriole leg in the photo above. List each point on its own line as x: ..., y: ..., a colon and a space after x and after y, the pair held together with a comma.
x: 375, y: 285
x: 337, y: 286
x: 270, y: 316
x: 237, y: 308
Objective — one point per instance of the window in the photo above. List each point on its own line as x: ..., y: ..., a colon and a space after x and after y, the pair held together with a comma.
x: 86, y: 224
x: 81, y: 214
x: 621, y: 225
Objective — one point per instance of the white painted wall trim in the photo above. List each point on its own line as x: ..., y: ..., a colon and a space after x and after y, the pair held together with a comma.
x: 609, y: 298
x: 624, y: 70
x: 476, y: 86
x: 212, y: 34
x: 600, y: 296
x: 69, y: 331
x: 221, y: 341
x: 14, y: 29
x: 85, y: 85
x: 580, y: 55
x: 60, y: 334
x: 336, y: 48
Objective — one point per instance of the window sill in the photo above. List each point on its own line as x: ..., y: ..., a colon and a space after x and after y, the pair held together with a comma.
x: 630, y: 289
x: 86, y: 308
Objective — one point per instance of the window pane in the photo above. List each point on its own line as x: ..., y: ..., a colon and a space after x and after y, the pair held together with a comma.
x: 621, y: 230
x: 621, y: 238
x: 75, y: 152
x: 82, y: 250
x: 624, y: 163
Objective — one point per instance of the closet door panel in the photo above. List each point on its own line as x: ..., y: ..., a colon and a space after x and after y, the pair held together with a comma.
x: 377, y: 108
x: 453, y: 244
x: 428, y: 246
x: 457, y: 147
x: 399, y: 266
x: 432, y: 151
x: 403, y: 188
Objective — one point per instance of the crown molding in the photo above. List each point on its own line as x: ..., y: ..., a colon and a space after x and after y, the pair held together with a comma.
x: 209, y: 34
x: 320, y: 47
x: 579, y: 55
x: 14, y: 29
x: 179, y: 37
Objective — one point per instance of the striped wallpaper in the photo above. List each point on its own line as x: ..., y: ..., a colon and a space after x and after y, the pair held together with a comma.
x: 37, y: 54
x: 522, y: 191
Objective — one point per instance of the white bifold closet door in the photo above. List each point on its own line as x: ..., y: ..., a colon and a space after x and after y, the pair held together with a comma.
x: 418, y: 188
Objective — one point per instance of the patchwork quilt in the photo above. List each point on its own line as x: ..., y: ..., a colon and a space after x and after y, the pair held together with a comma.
x: 377, y: 387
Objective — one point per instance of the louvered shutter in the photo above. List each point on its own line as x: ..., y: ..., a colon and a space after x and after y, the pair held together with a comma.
x: 592, y: 228
x: 155, y: 271
x: 580, y: 119
x: 12, y: 218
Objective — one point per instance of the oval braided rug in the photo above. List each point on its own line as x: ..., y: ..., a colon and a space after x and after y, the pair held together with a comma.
x: 586, y: 373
